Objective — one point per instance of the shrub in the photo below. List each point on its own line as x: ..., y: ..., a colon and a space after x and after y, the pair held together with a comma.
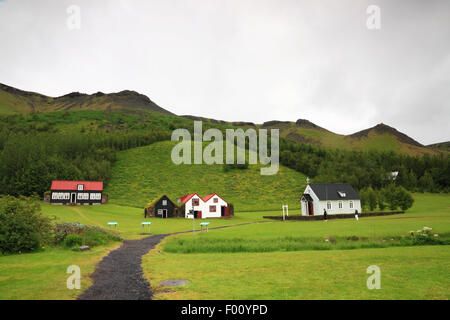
x: 23, y: 228
x: 73, y: 240
x: 92, y: 235
x: 62, y: 230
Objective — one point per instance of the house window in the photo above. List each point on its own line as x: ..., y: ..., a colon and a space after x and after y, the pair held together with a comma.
x: 164, y: 202
x: 340, y: 204
x: 351, y: 204
x: 212, y: 208
x: 80, y: 187
x: 329, y: 205
x: 60, y: 196
x: 96, y: 196
x: 83, y: 196
x: 216, y: 200
x: 160, y: 212
x: 195, y: 202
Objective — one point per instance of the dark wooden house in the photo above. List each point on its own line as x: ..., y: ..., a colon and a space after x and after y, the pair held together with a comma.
x: 76, y: 192
x: 162, y: 207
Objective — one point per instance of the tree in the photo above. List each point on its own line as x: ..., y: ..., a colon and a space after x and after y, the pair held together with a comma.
x: 371, y: 198
x: 412, y: 180
x: 404, y: 198
x: 389, y: 193
x: 380, y: 200
x: 426, y: 182
x: 364, y: 198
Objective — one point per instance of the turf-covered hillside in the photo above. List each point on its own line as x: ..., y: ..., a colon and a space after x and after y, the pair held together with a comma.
x: 16, y: 101
x: 141, y: 174
x: 378, y: 138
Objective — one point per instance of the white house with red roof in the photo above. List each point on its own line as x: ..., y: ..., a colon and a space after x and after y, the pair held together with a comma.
x: 76, y: 192
x: 215, y: 206
x: 210, y: 206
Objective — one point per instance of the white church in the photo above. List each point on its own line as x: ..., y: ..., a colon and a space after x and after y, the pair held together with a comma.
x: 336, y: 198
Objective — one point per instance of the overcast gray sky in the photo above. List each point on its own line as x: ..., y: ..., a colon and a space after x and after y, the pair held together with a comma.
x: 247, y: 60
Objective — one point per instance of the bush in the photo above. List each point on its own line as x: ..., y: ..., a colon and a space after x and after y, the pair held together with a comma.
x: 23, y: 228
x: 73, y: 240
x: 92, y: 235
x: 62, y: 230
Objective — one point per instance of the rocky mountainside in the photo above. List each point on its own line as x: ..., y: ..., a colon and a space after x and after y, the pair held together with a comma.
x: 14, y: 100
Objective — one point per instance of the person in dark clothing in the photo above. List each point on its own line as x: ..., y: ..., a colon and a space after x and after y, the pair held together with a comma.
x: 324, y: 214
x: 145, y: 213
x: 356, y: 215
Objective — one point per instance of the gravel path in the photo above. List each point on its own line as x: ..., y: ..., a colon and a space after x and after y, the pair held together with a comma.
x: 119, y: 275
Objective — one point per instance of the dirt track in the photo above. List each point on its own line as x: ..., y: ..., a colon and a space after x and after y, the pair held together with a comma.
x: 119, y: 275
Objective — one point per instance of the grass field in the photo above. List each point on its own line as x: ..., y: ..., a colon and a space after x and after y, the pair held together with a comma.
x: 42, y: 275
x: 142, y: 174
x: 418, y: 272
x: 130, y: 219
x: 407, y: 272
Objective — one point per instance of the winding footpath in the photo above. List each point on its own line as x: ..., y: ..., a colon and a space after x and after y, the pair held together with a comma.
x: 119, y: 275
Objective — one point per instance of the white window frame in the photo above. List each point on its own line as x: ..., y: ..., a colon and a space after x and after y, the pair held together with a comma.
x: 351, y: 204
x: 329, y: 205
x: 164, y: 202
x: 80, y: 187
x: 83, y: 196
x: 95, y: 196
x: 340, y: 205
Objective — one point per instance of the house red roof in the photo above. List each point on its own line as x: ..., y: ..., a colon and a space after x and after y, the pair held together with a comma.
x: 186, y: 198
x: 209, y: 196
x: 73, y: 185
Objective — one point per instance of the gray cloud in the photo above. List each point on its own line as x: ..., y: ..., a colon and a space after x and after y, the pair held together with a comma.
x: 244, y: 60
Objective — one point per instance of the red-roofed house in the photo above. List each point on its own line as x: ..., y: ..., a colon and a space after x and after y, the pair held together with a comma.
x: 76, y: 192
x: 215, y: 206
x: 210, y: 206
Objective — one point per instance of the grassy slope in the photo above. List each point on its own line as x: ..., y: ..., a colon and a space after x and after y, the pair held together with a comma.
x: 22, y: 103
x: 374, y: 141
x: 17, y: 101
x: 407, y: 273
x: 141, y: 174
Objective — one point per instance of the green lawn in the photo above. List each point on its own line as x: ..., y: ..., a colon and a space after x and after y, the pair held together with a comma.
x: 406, y: 273
x: 130, y: 219
x: 42, y: 275
x: 409, y: 272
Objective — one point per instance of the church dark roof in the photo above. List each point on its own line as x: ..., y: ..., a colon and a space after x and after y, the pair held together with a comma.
x: 334, y: 191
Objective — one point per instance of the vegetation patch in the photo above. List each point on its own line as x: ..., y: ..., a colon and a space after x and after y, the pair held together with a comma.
x: 208, y: 245
x: 22, y: 226
x: 75, y: 234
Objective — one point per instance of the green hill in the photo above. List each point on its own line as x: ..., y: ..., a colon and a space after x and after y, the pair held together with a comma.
x: 16, y: 101
x: 380, y: 138
x: 141, y: 174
